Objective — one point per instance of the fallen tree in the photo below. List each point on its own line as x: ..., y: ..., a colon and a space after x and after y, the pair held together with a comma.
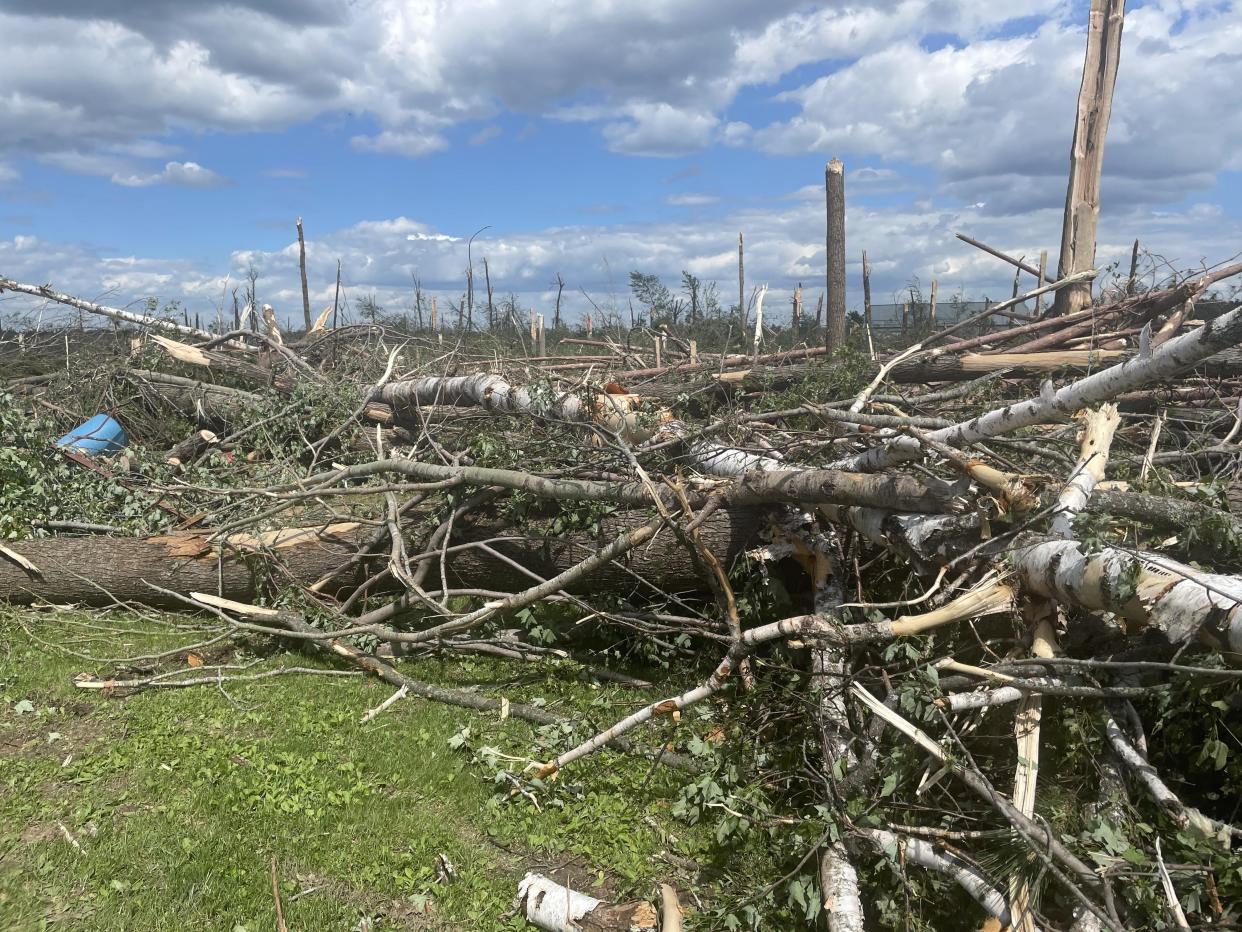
x: 244, y: 567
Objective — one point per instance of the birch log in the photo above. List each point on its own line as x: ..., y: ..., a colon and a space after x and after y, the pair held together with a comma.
x: 1053, y: 405
x: 1097, y: 438
x: 1145, y: 588
x: 925, y: 854
x: 114, y: 313
x: 1026, y: 729
x: 552, y: 906
x: 104, y: 570
x: 838, y: 878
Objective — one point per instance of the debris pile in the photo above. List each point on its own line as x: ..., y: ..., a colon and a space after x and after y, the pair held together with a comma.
x: 1016, y: 511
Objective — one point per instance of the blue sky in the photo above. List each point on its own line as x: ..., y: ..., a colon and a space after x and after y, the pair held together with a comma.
x: 174, y: 144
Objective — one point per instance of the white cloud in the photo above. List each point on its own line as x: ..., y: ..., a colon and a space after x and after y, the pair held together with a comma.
x: 784, y: 240
x: 980, y: 111
x: 486, y: 134
x: 8, y: 174
x: 994, y: 117
x: 660, y: 129
x: 390, y: 142
x: 183, y: 174
x: 691, y: 200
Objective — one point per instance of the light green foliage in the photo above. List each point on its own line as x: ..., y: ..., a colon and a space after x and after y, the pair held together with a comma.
x: 37, y: 482
x: 180, y: 798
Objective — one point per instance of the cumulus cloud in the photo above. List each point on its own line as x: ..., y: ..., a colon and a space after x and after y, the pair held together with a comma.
x: 784, y: 238
x: 994, y: 116
x: 415, y: 67
x: 984, y: 118
x: 184, y: 174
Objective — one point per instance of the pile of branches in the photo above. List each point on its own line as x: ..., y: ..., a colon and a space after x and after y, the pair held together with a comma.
x: 896, y: 566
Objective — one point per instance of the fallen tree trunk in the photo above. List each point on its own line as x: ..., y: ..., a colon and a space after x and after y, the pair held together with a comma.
x: 106, y: 570
x: 1144, y: 588
x: 1052, y: 405
x: 115, y: 313
x: 552, y: 906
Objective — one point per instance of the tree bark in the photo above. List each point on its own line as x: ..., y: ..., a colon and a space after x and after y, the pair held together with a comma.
x: 554, y: 907
x: 302, y: 269
x: 1052, y: 405
x: 128, y: 317
x: 104, y: 570
x: 834, y: 183
x: 1082, y: 196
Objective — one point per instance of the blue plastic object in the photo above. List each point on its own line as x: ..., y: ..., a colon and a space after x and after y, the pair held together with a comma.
x: 101, y: 434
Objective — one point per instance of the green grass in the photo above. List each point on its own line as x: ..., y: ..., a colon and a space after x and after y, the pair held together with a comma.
x: 179, y: 799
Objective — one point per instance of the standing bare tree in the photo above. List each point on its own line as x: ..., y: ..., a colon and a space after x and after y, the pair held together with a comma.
x: 491, y: 307
x: 834, y: 188
x: 252, y: 299
x: 302, y: 268
x: 1082, y: 195
x: 418, y: 299
x: 741, y: 283
x: 468, y: 299
x: 691, y: 285
x: 556, y: 315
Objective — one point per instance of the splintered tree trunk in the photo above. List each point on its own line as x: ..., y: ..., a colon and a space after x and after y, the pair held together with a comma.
x: 834, y: 184
x: 866, y: 273
x: 302, y: 269
x: 1082, y: 196
x: 554, y: 907
x: 741, y: 283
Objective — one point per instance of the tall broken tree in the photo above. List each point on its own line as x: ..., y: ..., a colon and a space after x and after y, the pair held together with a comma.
x: 1082, y: 195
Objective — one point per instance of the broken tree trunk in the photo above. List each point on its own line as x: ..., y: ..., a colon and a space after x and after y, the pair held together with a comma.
x: 191, y: 447
x: 834, y: 240
x: 114, y: 313
x: 552, y: 906
x: 1144, y: 588
x: 306, y: 318
x: 1172, y: 358
x: 1082, y: 196
x: 105, y: 570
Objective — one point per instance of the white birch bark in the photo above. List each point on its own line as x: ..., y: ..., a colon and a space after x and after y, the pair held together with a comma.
x: 1054, y: 405
x: 1146, y: 588
x: 114, y: 313
x: 1097, y: 438
x: 925, y: 854
x: 616, y: 412
x: 1165, y: 798
x: 554, y: 907
x: 838, y: 878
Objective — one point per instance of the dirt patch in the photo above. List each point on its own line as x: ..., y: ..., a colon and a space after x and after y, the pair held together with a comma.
x: 399, y: 914
x: 40, y: 831
x: 57, y: 732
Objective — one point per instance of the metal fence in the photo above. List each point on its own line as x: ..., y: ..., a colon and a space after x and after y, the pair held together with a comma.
x: 889, y: 316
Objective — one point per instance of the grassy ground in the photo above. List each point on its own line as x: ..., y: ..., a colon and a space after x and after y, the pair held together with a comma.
x: 166, y: 809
